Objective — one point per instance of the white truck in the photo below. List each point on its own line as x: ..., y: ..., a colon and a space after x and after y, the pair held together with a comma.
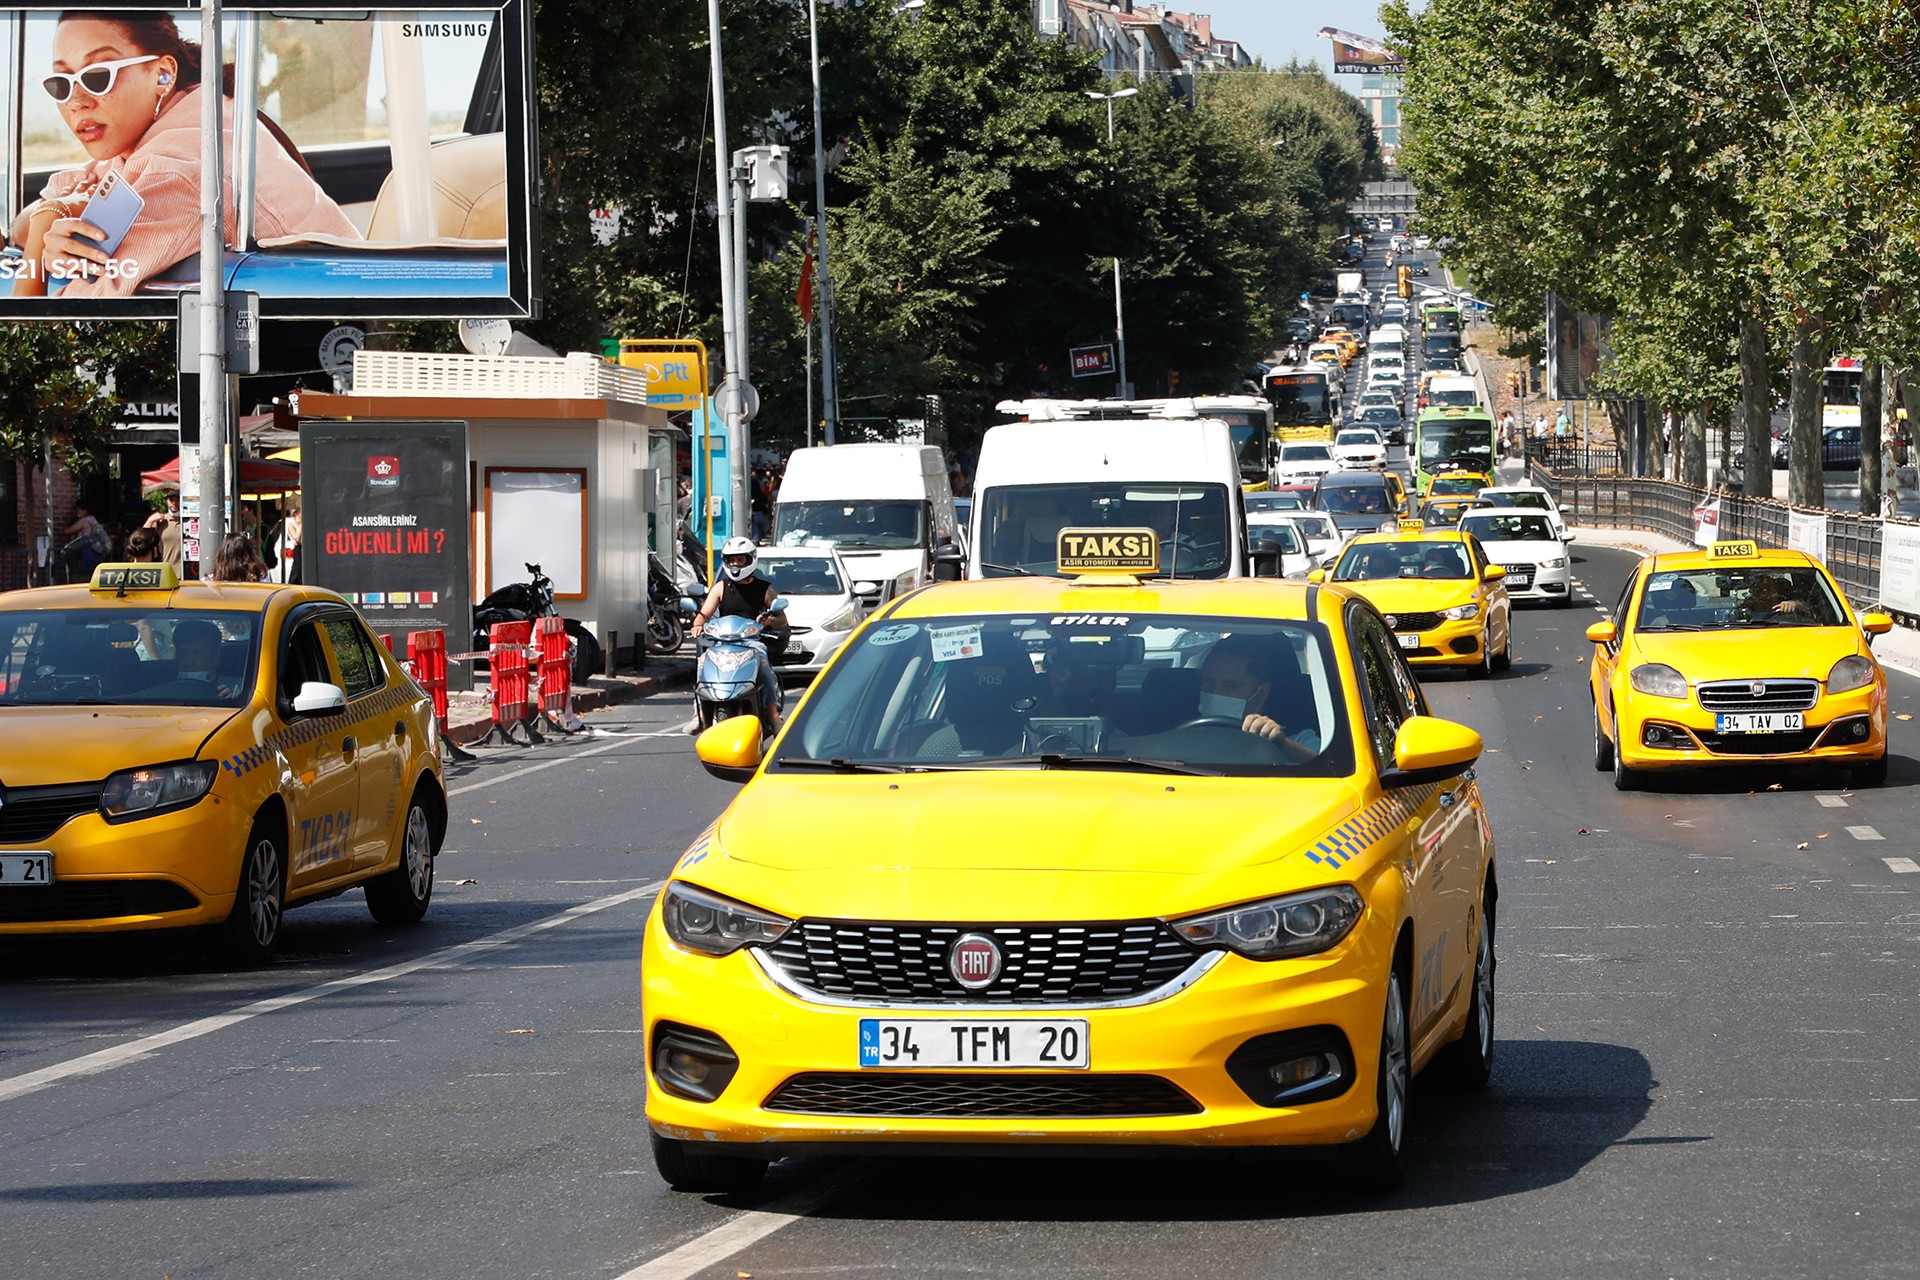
x: 887, y: 508
x: 1178, y: 475
x: 1351, y: 284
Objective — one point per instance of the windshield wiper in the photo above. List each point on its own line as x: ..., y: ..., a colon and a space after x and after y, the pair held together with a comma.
x: 840, y: 764
x: 1062, y: 760
x: 1008, y: 568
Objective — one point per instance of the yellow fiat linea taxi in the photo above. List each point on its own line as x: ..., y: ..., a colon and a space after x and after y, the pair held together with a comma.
x: 206, y: 754
x: 1736, y: 655
x: 1459, y: 483
x: 1109, y: 862
x: 1437, y: 590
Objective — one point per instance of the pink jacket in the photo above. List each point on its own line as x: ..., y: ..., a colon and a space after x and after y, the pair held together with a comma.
x: 164, y: 167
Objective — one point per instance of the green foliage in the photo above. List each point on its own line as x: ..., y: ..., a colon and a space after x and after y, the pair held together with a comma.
x: 52, y: 378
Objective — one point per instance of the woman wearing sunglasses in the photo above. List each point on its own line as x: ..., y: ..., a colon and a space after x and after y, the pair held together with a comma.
x: 128, y: 86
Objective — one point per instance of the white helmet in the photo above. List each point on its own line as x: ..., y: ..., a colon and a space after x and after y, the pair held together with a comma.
x: 739, y: 547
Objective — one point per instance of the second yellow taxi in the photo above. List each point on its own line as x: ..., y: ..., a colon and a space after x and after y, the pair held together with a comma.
x: 1444, y: 600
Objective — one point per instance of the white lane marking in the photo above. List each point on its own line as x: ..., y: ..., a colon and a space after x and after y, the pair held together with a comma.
x: 146, y: 1046
x: 1831, y: 802
x: 736, y: 1234
x: 1864, y: 833
x: 1901, y: 866
x: 560, y: 760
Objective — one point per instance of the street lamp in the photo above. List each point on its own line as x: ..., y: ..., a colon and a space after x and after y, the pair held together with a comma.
x: 1119, y: 315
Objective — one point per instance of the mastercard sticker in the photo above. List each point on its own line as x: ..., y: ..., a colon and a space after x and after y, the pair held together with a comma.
x: 955, y: 644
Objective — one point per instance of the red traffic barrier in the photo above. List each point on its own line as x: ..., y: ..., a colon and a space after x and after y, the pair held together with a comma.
x: 427, y: 658
x: 509, y: 678
x: 556, y: 667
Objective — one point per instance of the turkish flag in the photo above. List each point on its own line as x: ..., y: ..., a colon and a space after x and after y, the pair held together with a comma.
x: 804, y: 298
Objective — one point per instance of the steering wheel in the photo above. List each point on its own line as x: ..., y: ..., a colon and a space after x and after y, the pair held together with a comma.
x: 1208, y: 722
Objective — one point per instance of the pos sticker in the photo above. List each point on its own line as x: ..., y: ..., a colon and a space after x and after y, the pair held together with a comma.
x: 955, y: 644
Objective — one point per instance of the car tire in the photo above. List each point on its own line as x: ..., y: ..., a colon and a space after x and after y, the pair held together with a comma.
x: 1624, y: 779
x: 685, y: 1167
x: 586, y: 653
x: 1505, y: 661
x: 252, y: 928
x: 1483, y: 670
x: 1871, y: 774
x: 1467, y: 1063
x: 400, y: 896
x: 1602, y: 745
x: 1378, y: 1162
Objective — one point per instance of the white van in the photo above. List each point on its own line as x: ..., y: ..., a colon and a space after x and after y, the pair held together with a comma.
x: 887, y: 508
x: 1453, y: 392
x: 1177, y: 475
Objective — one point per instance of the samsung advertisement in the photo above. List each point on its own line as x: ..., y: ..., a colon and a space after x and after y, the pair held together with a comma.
x: 384, y: 172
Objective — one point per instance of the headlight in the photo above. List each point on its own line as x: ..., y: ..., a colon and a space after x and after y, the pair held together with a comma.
x: 1660, y: 680
x: 1301, y: 924
x: 1853, y: 672
x: 157, y: 788
x: 717, y: 926
x: 1558, y: 562
x: 845, y: 620
x: 1461, y: 612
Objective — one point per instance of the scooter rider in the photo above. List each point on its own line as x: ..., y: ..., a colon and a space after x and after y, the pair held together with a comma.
x: 740, y: 592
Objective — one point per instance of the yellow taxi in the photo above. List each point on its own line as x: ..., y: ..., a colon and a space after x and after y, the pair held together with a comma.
x: 1736, y: 655
x: 1459, y: 483
x: 1444, y: 600
x: 206, y: 754
x: 1350, y: 342
x: 1101, y: 863
x: 1445, y: 513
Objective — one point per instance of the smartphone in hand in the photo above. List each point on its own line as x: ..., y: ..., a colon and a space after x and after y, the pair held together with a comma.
x: 113, y: 209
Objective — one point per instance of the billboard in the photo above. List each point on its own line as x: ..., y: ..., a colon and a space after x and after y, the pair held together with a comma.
x: 1358, y: 55
x: 387, y: 174
x: 384, y: 516
x: 1578, y: 345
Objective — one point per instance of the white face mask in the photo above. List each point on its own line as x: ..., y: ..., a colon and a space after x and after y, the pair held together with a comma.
x: 1219, y: 704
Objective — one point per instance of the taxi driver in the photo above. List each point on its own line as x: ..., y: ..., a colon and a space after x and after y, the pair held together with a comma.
x: 196, y: 653
x: 1247, y: 683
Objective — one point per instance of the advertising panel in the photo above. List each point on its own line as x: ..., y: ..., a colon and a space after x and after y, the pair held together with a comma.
x: 1090, y: 362
x: 385, y: 515
x: 386, y: 174
x: 1578, y: 345
x: 1360, y: 55
x: 1807, y: 533
x: 1900, y: 566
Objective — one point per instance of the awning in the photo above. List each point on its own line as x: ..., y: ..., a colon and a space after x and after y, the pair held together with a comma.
x: 257, y: 476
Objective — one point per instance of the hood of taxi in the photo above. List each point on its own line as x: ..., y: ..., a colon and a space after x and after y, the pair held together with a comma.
x: 1751, y: 654
x: 46, y: 746
x: 1019, y: 844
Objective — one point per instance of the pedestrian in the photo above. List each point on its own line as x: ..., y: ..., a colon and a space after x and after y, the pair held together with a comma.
x: 90, y: 543
x: 166, y: 523
x: 239, y: 561
x: 1562, y: 425
x: 1889, y: 479
x: 285, y: 566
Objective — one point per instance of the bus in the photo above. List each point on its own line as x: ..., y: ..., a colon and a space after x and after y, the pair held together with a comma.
x: 1446, y: 433
x: 1306, y: 403
x: 1840, y: 392
x: 1442, y: 317
x: 1249, y: 421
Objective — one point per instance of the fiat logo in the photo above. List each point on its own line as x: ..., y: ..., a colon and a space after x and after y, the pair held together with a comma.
x: 1392, y: 621
x: 974, y: 961
x: 1758, y: 688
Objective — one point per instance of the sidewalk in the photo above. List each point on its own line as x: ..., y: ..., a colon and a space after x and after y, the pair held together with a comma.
x: 1900, y: 647
x: 469, y: 714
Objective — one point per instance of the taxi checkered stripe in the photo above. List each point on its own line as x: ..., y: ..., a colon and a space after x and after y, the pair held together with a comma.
x: 698, y: 850
x: 1371, y: 825
x: 306, y: 731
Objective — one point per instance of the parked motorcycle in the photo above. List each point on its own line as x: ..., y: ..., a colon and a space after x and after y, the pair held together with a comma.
x: 667, y: 616
x: 525, y: 601
x: 727, y: 679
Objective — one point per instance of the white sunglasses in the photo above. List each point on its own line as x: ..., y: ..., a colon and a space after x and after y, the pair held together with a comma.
x: 96, y: 78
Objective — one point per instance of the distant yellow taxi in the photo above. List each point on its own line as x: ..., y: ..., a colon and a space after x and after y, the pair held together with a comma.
x: 1102, y: 863
x: 1445, y: 513
x: 206, y: 754
x: 1736, y: 655
x: 1459, y: 483
x: 1444, y: 600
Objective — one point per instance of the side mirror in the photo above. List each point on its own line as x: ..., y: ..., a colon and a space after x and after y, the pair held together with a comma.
x: 1428, y: 749
x: 317, y: 698
x: 1317, y: 575
x: 1567, y: 536
x: 1264, y: 559
x: 866, y: 588
x: 1607, y: 633
x: 779, y: 603
x: 730, y: 750
x: 1876, y: 624
x: 948, y: 563
x: 1495, y: 572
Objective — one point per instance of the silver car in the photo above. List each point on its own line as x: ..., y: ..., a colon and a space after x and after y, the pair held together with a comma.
x: 822, y: 610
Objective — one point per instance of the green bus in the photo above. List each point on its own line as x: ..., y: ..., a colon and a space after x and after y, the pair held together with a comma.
x: 1464, y: 434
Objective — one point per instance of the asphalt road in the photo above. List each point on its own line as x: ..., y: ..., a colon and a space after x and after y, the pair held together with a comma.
x: 1704, y: 1064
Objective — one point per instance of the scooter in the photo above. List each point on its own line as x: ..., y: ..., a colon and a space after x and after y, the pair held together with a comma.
x: 666, y: 608
x: 525, y: 601
x: 727, y: 680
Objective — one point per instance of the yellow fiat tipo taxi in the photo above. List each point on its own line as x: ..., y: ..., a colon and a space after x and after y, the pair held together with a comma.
x: 1102, y: 863
x: 1736, y: 655
x: 206, y: 754
x: 1437, y: 590
x: 1459, y: 483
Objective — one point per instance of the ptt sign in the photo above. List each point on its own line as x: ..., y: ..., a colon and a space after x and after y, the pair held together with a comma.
x: 673, y: 381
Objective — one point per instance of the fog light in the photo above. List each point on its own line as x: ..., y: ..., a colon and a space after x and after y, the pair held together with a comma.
x: 691, y: 1063
x: 1293, y: 1068
x: 1295, y: 1072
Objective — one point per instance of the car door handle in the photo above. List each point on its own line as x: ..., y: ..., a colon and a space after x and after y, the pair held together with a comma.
x: 348, y: 746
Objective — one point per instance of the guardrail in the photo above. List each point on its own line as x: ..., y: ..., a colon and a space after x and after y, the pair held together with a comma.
x: 1853, y: 541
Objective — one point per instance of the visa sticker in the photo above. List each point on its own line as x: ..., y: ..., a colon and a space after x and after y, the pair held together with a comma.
x: 896, y: 634
x: 955, y: 644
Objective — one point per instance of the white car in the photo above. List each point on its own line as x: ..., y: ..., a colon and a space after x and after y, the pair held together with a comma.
x: 1324, y: 539
x: 1390, y: 397
x: 1532, y: 498
x: 1360, y: 447
x: 1537, y: 562
x: 822, y: 610
x: 1304, y: 460
x: 1386, y: 376
x: 1295, y: 560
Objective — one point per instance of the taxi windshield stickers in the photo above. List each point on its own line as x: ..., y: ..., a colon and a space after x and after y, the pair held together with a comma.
x: 894, y: 634
x: 1090, y: 620
x: 952, y: 644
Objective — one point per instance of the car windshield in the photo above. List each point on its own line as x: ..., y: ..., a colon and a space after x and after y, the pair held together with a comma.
x: 1508, y: 527
x: 1726, y: 599
x: 1380, y: 413
x: 1277, y: 500
x: 1281, y: 530
x: 1375, y: 561
x: 1160, y: 693
x: 1442, y: 515
x: 1358, y: 437
x: 802, y: 575
x: 1019, y: 524
x: 1534, y: 500
x: 1357, y: 500
x: 134, y: 656
x: 1456, y: 484
x: 850, y: 524
x: 1315, y: 525
x: 1305, y: 453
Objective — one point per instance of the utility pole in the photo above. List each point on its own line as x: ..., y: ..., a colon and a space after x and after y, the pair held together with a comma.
x: 213, y: 301
x: 829, y: 375
x: 1119, y: 315
x: 731, y: 399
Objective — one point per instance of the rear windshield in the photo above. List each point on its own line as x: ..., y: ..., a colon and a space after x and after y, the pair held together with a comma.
x: 1370, y: 500
x: 144, y: 657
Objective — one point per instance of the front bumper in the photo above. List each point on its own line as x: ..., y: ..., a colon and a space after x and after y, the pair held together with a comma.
x: 1182, y: 1041
x: 1846, y: 728
x: 1545, y: 584
x: 1451, y: 644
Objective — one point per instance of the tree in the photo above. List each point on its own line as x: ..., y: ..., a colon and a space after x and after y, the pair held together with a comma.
x: 54, y: 379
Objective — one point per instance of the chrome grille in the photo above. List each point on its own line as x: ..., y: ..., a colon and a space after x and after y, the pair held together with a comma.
x: 1413, y: 621
x: 1779, y: 695
x: 980, y: 1096
x: 1043, y: 963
